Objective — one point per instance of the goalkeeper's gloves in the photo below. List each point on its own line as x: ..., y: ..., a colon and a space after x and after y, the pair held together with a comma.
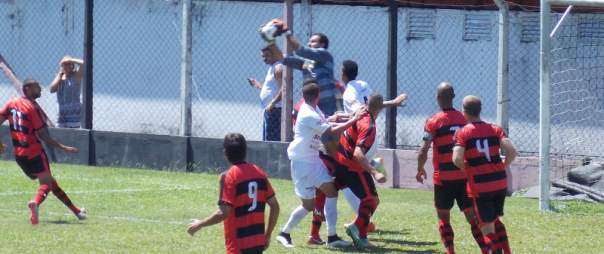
x: 281, y: 28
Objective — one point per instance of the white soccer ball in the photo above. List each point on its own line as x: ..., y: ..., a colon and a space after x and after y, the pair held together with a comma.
x: 268, y: 31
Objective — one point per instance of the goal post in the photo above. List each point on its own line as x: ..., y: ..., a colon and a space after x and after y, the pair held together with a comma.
x: 545, y: 114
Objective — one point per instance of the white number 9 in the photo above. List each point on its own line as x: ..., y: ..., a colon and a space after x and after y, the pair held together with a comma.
x: 252, y: 192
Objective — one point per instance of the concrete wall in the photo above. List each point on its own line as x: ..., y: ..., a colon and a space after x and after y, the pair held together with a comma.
x: 163, y: 152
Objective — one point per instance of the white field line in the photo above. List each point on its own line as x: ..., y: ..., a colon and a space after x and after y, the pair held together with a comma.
x: 175, y: 188
x: 26, y: 211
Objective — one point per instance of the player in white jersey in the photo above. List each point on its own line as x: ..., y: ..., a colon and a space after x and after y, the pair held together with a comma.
x: 308, y: 170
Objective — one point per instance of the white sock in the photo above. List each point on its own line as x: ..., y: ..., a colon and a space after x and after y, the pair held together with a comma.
x: 331, y: 215
x: 352, y: 199
x: 295, y: 218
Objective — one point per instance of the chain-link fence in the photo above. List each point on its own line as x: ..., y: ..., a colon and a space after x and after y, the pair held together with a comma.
x: 137, y: 60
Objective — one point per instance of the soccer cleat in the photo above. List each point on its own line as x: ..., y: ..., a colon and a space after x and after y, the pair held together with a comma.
x: 314, y: 241
x: 82, y: 214
x: 353, y: 232
x: 371, y: 227
x: 366, y: 243
x: 33, y: 206
x: 338, y: 242
x: 285, y: 240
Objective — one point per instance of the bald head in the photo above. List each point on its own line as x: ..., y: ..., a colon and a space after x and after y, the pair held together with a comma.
x: 445, y: 91
x: 375, y: 102
x: 472, y: 106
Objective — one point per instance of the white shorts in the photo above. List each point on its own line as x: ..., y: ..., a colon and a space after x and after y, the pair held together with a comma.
x: 309, y: 176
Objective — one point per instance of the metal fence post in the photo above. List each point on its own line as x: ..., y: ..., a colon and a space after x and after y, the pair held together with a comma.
x: 288, y: 79
x: 87, y: 87
x: 185, y: 71
x: 391, y: 73
x: 503, y: 72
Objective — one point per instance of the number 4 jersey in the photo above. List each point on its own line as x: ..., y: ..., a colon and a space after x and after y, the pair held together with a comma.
x: 484, y: 166
x: 245, y: 187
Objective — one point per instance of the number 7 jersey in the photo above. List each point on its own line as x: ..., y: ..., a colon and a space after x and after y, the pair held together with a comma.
x: 245, y: 187
x: 484, y: 166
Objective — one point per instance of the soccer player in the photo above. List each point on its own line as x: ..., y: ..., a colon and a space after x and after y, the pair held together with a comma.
x: 477, y: 152
x: 449, y: 181
x: 308, y: 170
x: 356, y: 172
x: 27, y: 128
x: 355, y: 96
x: 244, y: 193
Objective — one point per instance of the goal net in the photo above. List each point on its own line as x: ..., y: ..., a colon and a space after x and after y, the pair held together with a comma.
x: 572, y: 97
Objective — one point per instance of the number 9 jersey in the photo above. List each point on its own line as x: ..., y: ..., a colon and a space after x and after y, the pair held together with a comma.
x: 245, y: 187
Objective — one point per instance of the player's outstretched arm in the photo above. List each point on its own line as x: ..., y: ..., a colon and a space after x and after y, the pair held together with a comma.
x: 294, y: 44
x: 219, y: 216
x: 43, y: 135
x: 398, y: 101
x: 340, y: 128
x: 273, y: 216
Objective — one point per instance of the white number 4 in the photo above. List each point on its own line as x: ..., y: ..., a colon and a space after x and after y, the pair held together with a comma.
x: 252, y: 192
x: 484, y: 148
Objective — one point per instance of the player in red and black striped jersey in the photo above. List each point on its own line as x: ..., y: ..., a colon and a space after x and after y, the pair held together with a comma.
x: 244, y: 193
x: 357, y: 173
x: 27, y: 128
x: 477, y: 152
x: 449, y: 181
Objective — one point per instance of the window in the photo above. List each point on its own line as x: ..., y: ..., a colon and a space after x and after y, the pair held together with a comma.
x: 420, y: 24
x: 477, y: 26
x: 530, y: 31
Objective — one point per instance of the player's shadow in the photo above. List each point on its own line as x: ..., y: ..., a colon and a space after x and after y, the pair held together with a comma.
x: 64, y: 222
x: 380, y: 249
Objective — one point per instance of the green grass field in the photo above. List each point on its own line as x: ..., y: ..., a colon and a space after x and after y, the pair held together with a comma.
x: 147, y: 211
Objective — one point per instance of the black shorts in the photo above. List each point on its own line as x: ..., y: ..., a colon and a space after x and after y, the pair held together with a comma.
x: 446, y: 194
x: 35, y: 166
x: 360, y: 183
x: 489, y: 206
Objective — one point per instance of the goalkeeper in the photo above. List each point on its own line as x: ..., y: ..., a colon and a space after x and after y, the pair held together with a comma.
x: 315, y: 61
